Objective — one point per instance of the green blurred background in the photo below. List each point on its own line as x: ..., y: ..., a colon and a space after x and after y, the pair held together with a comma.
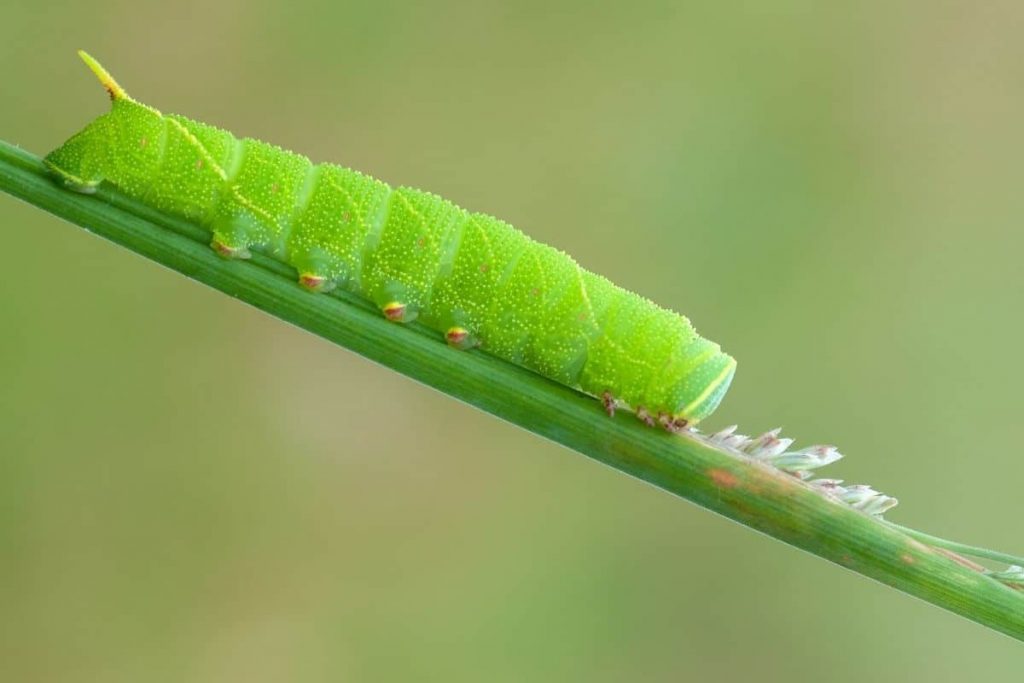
x: 191, y: 490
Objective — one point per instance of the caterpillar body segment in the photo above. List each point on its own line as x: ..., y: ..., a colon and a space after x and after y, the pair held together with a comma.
x: 475, y: 279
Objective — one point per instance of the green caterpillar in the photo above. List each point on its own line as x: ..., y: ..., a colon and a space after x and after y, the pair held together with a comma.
x: 477, y: 280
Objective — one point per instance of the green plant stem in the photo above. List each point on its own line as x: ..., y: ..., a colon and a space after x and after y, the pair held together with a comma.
x: 961, y: 548
x: 718, y: 479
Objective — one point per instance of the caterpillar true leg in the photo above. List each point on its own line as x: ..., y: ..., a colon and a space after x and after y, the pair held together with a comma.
x: 672, y: 424
x: 609, y: 403
x: 644, y: 416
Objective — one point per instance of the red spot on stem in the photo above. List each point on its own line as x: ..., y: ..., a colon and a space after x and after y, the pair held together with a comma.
x: 723, y: 479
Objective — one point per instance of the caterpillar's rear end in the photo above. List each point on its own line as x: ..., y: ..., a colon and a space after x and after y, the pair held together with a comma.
x: 472, y: 277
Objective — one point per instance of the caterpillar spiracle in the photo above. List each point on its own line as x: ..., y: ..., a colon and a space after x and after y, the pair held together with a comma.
x: 473, y: 278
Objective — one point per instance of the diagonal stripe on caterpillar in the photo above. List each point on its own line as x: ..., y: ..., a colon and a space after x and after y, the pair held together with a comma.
x: 473, y: 278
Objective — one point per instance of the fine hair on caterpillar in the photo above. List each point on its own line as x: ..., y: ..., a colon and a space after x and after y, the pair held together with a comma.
x: 473, y: 278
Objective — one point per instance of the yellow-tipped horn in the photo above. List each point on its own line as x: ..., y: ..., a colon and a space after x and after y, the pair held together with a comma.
x: 116, y: 91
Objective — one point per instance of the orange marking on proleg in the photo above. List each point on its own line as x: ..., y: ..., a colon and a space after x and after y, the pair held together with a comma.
x: 394, y: 311
x: 457, y: 337
x: 230, y: 252
x: 199, y: 163
x: 420, y: 242
x: 723, y: 479
x: 484, y: 267
x: 143, y: 142
x: 275, y: 188
x: 346, y: 217
x: 314, y: 283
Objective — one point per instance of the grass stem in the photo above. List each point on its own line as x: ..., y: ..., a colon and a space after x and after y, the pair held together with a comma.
x: 711, y: 475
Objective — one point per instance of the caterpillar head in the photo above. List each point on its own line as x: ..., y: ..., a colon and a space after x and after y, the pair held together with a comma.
x: 702, y: 383
x: 122, y: 146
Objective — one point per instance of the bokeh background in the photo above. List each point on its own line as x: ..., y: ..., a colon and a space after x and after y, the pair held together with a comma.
x: 193, y: 491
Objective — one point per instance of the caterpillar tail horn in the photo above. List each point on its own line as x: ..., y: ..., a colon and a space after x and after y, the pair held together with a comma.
x: 116, y: 91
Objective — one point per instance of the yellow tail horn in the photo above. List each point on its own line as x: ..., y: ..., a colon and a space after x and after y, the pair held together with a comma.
x: 116, y: 91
